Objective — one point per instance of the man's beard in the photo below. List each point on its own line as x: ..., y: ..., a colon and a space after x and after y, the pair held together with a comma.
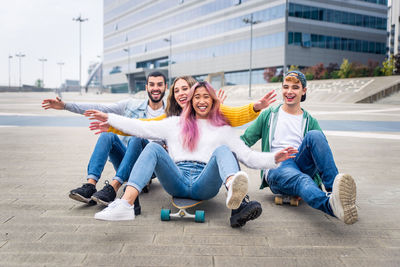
x: 156, y: 100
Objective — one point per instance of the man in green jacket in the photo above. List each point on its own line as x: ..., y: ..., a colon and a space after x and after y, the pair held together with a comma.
x: 313, y: 167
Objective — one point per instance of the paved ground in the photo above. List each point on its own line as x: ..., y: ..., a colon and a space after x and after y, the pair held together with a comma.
x: 40, y: 225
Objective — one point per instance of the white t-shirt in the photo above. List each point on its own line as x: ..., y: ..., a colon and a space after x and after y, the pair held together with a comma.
x: 287, y: 131
x: 151, y: 113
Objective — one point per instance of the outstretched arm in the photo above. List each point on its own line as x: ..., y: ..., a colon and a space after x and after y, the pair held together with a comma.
x: 135, y: 127
x: 265, y: 101
x: 239, y: 116
x: 80, y: 108
x: 254, y: 159
x: 53, y: 103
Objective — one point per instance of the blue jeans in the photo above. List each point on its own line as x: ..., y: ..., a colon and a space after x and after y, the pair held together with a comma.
x: 185, y: 179
x: 122, y: 157
x: 294, y: 176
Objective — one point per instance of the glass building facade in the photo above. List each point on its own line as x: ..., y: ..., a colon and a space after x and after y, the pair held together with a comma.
x: 198, y: 38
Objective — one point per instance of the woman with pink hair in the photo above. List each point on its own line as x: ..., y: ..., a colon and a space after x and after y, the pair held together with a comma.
x: 199, y: 159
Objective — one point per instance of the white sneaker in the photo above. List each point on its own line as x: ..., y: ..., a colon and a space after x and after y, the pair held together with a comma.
x: 237, y: 190
x: 343, y: 199
x: 118, y: 210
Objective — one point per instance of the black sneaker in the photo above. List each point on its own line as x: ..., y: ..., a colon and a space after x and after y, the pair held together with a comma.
x: 106, y: 195
x: 83, y: 193
x: 248, y: 210
x: 137, y: 207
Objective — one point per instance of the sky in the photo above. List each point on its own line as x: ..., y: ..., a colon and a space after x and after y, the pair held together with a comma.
x: 45, y: 29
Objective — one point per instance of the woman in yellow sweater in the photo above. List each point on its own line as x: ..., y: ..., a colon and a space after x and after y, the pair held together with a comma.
x: 237, y: 116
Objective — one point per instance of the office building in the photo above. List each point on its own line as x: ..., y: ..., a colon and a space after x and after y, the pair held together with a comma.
x: 393, y: 27
x: 212, y: 38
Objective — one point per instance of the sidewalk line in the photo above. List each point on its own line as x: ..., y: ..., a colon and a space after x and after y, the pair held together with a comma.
x: 363, y: 135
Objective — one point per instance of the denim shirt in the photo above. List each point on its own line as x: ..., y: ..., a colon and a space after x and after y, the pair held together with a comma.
x: 135, y: 111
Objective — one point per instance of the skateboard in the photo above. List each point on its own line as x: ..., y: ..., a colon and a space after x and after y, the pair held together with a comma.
x: 182, y: 204
x: 284, y: 199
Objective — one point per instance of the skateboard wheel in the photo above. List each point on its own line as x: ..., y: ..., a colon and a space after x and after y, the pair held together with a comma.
x: 199, y: 216
x: 278, y: 200
x: 165, y: 215
x: 294, y: 202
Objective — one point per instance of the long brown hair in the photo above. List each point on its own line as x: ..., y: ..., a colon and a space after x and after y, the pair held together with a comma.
x: 173, y: 109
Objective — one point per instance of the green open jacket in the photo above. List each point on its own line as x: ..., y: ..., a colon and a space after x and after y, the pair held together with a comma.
x: 264, y: 128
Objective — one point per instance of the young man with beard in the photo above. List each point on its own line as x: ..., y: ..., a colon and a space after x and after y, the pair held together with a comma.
x: 121, y: 152
x: 314, y: 166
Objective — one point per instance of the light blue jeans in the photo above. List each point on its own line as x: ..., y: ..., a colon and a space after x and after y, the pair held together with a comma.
x: 294, y: 176
x: 122, y: 157
x: 186, y: 179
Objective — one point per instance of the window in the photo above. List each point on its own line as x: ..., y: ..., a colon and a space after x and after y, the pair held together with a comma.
x: 290, y: 37
x: 306, y: 40
x: 314, y: 40
x: 336, y: 16
x: 306, y: 12
x: 297, y: 38
x: 329, y: 42
x: 298, y: 12
x: 358, y: 46
x: 343, y: 44
x: 321, y: 41
x: 314, y: 13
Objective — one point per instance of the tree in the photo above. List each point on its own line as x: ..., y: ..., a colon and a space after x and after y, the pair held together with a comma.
x: 388, y: 66
x: 293, y: 67
x: 318, y: 71
x: 39, y: 83
x: 359, y: 70
x: 269, y: 73
x: 345, y: 69
x: 397, y: 64
x: 371, y: 66
x: 332, y: 67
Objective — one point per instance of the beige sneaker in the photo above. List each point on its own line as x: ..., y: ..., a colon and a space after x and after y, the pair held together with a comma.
x: 343, y: 199
x: 237, y: 190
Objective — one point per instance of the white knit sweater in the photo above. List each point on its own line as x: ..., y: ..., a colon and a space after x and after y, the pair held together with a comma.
x: 210, y: 138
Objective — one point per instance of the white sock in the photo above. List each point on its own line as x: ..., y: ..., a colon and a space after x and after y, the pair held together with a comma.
x: 228, y: 184
x: 126, y: 203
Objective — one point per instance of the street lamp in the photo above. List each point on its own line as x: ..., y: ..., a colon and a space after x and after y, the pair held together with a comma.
x: 20, y: 55
x: 43, y: 60
x: 9, y: 70
x: 169, y: 40
x: 80, y: 20
x: 59, y: 90
x: 286, y: 39
x: 60, y: 64
x: 251, y: 22
x: 128, y: 50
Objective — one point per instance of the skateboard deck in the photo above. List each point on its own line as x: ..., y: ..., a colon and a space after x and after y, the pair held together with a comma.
x: 285, y: 199
x: 182, y: 204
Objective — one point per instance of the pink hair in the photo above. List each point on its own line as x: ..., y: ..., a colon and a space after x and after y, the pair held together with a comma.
x: 190, y: 131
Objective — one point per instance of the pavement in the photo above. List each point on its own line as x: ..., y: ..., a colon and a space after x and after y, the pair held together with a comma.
x: 43, y: 160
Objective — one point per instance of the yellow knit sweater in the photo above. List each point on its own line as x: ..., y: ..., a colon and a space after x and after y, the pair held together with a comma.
x: 236, y: 116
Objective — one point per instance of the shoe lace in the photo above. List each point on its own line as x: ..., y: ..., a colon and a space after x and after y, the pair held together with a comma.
x: 108, y: 187
x: 87, y: 185
x: 112, y: 204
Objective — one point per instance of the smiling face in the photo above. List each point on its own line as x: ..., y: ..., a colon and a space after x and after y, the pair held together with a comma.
x: 156, y: 88
x: 292, y: 91
x: 202, y: 102
x: 181, y: 91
